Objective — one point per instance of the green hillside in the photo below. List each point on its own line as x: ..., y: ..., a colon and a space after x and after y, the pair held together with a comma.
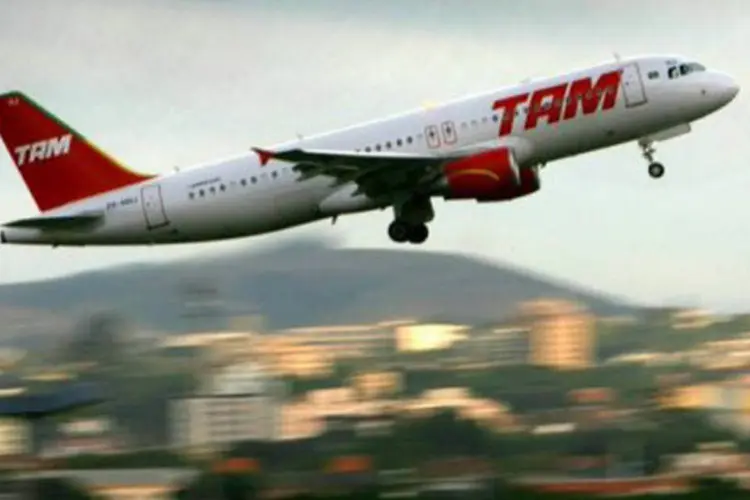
x: 305, y: 283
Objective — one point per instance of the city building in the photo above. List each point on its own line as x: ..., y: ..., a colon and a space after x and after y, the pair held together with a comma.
x: 496, y: 346
x: 428, y: 337
x: 84, y: 437
x: 289, y: 356
x: 691, y: 319
x: 562, y: 333
x: 372, y: 385
x: 240, y: 402
x: 14, y: 438
x: 349, y: 341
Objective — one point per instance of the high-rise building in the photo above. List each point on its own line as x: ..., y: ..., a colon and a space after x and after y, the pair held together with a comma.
x: 239, y: 402
x: 14, y: 438
x: 562, y: 333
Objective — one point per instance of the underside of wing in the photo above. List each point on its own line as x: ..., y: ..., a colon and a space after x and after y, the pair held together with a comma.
x: 376, y: 175
x: 54, y: 223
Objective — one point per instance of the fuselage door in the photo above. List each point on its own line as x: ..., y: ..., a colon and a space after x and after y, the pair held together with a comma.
x: 632, y: 85
x: 153, y: 207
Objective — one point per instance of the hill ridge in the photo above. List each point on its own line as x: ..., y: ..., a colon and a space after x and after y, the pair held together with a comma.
x: 309, y: 282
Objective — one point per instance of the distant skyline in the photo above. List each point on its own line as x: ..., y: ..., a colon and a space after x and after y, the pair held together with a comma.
x: 165, y: 83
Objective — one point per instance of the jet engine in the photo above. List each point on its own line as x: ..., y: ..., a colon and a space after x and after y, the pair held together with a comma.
x: 489, y: 176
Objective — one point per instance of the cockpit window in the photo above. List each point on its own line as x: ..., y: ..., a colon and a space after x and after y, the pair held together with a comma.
x: 653, y: 75
x: 684, y: 69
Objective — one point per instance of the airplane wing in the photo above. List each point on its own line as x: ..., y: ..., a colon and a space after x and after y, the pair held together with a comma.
x: 81, y: 221
x: 377, y: 175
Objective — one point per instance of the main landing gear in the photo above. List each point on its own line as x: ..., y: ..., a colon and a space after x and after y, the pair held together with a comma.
x: 410, y: 223
x: 401, y: 232
x: 655, y: 169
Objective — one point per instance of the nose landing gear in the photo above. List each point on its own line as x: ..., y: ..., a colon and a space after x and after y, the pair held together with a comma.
x: 655, y: 169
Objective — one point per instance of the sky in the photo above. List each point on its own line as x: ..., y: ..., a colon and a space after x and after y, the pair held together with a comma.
x: 166, y: 83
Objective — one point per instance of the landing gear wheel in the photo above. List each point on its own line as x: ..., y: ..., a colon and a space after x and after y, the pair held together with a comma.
x: 656, y: 170
x: 418, y: 234
x: 399, y: 231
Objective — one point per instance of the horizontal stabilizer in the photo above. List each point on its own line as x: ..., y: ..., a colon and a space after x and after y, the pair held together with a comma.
x: 63, y: 222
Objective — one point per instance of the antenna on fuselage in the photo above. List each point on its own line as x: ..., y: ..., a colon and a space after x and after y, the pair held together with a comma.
x: 617, y: 56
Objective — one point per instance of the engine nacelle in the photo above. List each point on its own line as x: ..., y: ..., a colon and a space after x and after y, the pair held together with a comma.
x: 489, y: 176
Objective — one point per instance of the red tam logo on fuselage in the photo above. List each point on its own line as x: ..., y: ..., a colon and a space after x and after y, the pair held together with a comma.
x: 560, y: 102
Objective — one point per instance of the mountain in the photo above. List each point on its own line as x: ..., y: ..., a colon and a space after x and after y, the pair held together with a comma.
x: 303, y: 283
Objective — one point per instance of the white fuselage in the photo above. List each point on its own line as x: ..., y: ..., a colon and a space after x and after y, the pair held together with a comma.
x: 239, y: 196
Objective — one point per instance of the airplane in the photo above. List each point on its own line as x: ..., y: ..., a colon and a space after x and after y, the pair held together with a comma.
x: 485, y: 148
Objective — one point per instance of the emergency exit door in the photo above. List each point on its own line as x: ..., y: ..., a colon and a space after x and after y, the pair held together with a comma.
x: 632, y: 86
x: 153, y: 207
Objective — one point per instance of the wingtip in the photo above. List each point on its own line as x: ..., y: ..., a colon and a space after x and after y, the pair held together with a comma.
x: 264, y: 155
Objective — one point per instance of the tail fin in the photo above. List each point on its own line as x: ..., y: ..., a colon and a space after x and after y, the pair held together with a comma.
x: 57, y: 164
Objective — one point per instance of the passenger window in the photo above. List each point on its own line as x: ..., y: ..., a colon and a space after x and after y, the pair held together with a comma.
x: 653, y: 75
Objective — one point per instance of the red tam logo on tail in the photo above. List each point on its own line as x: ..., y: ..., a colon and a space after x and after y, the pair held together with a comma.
x: 58, y: 165
x: 43, y: 150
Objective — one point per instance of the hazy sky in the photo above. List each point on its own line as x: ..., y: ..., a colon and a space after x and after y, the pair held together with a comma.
x: 169, y: 83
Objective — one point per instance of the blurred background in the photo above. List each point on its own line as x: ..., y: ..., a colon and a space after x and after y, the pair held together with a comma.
x: 591, y: 339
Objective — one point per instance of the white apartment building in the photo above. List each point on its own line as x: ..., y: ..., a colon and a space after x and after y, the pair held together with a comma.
x: 14, y: 437
x: 236, y: 403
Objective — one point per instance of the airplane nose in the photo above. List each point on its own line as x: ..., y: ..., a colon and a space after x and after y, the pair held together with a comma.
x: 733, y: 89
x: 727, y: 88
x: 719, y: 89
